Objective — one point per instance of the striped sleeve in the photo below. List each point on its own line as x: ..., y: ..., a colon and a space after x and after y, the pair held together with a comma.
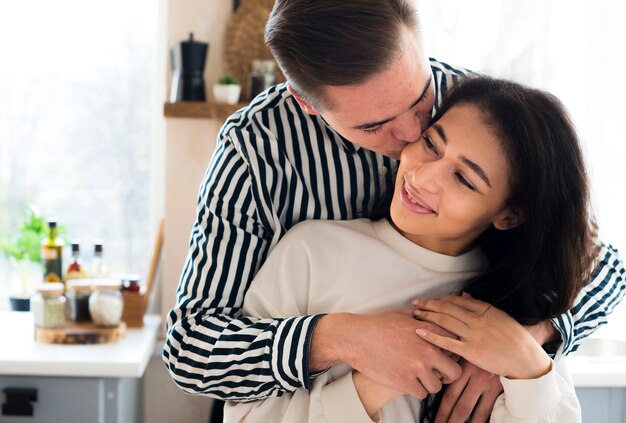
x: 210, y: 349
x: 594, y: 303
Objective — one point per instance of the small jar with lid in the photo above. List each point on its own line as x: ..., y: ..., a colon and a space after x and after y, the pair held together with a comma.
x: 105, y: 302
x: 78, y: 293
x: 130, y: 283
x: 48, y: 305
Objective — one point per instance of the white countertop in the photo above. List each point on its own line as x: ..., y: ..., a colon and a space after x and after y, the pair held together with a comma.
x: 598, y: 372
x: 21, y: 355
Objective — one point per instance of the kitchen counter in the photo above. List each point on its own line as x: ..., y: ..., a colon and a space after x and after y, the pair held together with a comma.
x: 21, y: 355
x: 101, y: 383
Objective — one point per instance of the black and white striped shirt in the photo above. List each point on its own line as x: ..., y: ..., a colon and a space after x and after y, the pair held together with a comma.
x: 274, y: 166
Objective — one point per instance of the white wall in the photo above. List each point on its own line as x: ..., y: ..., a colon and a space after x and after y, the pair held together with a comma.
x: 188, y: 148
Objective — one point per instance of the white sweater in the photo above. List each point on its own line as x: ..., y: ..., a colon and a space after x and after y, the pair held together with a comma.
x: 360, y: 266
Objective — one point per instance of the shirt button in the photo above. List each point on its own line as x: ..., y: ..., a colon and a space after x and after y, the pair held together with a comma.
x: 383, y: 170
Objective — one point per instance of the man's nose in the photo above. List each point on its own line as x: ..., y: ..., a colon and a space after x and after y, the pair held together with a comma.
x: 408, y: 127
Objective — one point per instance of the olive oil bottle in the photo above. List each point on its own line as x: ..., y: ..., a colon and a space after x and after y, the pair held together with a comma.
x: 52, y: 255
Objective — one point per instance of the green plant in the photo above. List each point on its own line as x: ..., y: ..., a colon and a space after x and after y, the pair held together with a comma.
x: 227, y: 80
x: 26, y: 243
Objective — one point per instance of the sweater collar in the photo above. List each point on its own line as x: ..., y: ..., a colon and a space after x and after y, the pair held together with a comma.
x: 471, y: 261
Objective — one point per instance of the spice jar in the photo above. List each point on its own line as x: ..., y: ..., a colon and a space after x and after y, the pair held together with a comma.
x: 130, y: 283
x: 49, y: 305
x: 105, y: 303
x: 78, y: 293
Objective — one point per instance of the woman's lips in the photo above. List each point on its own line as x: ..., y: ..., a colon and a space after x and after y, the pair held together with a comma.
x: 413, y: 203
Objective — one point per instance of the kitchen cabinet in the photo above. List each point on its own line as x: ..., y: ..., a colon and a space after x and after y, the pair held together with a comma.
x: 598, y: 370
x: 72, y: 383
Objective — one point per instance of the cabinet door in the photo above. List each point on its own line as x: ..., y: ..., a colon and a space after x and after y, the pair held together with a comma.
x: 607, y: 405
x: 59, y: 400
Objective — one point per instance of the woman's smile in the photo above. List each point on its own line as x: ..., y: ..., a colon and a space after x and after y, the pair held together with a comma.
x: 413, y: 202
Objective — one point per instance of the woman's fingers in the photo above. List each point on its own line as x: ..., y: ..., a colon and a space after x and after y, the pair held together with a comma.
x: 449, y: 323
x: 464, y: 301
x: 444, y: 306
x: 450, y: 397
x: 443, y: 342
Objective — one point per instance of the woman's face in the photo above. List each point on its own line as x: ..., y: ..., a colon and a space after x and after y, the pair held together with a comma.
x: 452, y: 184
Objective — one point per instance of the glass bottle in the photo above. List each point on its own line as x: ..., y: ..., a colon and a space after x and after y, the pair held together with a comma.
x: 75, y: 270
x: 98, y: 268
x: 52, y: 255
x: 48, y: 305
x: 261, y: 78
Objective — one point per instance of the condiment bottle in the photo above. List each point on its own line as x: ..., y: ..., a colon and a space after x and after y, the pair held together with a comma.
x: 49, y: 305
x: 52, y: 255
x: 98, y: 268
x: 78, y: 293
x: 75, y: 270
x: 106, y: 303
x: 261, y: 78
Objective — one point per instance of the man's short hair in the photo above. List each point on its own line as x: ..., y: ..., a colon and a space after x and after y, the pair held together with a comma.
x: 336, y: 42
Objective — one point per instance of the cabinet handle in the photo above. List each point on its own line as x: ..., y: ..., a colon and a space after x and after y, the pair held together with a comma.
x: 18, y: 401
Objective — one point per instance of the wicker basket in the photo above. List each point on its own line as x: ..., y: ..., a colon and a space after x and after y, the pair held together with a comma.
x: 244, y: 40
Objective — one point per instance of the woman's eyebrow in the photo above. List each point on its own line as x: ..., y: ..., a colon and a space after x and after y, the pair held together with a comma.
x: 477, y: 169
x: 441, y: 133
x: 472, y: 165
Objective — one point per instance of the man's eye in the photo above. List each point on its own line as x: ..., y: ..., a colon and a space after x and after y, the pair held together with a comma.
x: 374, y: 130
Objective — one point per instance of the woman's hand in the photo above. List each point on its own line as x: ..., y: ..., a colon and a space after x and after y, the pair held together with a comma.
x: 373, y: 395
x: 488, y: 337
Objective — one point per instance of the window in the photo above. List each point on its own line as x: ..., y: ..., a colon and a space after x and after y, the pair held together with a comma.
x: 573, y: 49
x: 77, y: 122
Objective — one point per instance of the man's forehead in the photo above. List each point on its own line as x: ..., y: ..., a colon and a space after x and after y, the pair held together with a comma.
x: 365, y: 114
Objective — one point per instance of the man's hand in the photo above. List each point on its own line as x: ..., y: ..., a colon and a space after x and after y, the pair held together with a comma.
x: 384, y: 347
x: 461, y: 397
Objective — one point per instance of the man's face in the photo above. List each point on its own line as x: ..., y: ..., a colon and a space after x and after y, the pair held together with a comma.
x: 391, y: 109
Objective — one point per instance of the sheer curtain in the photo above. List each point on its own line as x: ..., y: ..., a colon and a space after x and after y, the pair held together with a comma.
x: 574, y: 49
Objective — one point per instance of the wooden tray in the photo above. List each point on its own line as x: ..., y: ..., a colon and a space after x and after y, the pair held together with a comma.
x: 80, y: 333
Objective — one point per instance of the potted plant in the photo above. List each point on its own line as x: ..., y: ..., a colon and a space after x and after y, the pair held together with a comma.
x: 227, y: 90
x: 23, y: 252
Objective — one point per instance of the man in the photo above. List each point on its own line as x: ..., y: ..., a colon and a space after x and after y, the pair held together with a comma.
x: 325, y: 146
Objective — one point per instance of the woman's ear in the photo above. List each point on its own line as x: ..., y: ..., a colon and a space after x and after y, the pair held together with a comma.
x: 508, y: 219
x: 306, y: 106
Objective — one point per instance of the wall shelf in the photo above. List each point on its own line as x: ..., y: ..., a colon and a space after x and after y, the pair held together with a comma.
x: 200, y: 109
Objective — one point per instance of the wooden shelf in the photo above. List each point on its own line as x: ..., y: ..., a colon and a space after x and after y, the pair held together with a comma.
x: 201, y: 110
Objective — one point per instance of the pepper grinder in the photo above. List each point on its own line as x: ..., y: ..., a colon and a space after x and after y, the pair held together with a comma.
x: 187, y: 59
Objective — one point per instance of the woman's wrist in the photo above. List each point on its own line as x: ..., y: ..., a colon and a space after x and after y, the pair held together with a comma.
x: 537, y: 365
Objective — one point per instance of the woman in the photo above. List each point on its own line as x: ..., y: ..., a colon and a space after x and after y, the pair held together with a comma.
x: 493, y: 200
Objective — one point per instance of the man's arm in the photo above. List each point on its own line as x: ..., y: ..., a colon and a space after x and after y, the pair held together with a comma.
x: 594, y: 303
x: 209, y: 348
